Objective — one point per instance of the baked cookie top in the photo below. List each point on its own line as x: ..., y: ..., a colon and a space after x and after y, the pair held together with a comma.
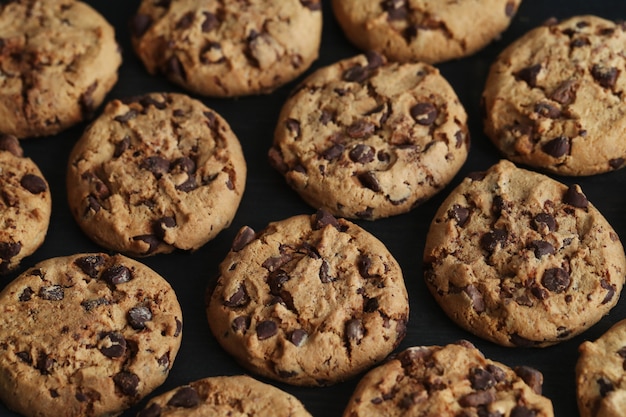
x: 58, y: 60
x: 156, y: 173
x: 310, y: 300
x: 448, y: 381
x: 600, y: 371
x: 228, y: 48
x: 25, y: 205
x: 365, y: 139
x: 520, y: 259
x: 419, y: 30
x: 225, y: 396
x: 85, y: 335
x: 553, y: 98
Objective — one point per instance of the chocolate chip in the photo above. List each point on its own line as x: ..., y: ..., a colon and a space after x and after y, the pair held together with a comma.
x: 354, y: 331
x: 520, y: 341
x: 184, y: 164
x: 544, y: 221
x: 610, y: 291
x: 565, y: 93
x: 156, y: 164
x: 116, y: 274
x: 293, y: 126
x: 121, y: 146
x: 575, y: 197
x: 371, y: 305
x: 11, y: 144
x: 153, y: 410
x: 210, y: 22
x: 266, y: 329
x: 241, y: 324
x: 477, y: 175
x: 44, y: 363
x: 459, y: 214
x: 186, y: 21
x: 556, y: 280
x: 362, y: 154
x: 93, y: 204
x: 606, y: 77
x: 276, y: 280
x: 138, y: 316
x: 396, y: 9
x: 490, y: 241
x: 529, y: 74
x: 298, y: 337
x: 313, y: 5
x: 368, y: 180
x: 547, y: 110
x: 333, y: 152
x: 153, y: 242
x: 129, y: 115
x: 424, y: 113
x: 52, y: 293
x: 557, y: 147
x: 89, y: 305
x: 541, y: 248
x: 360, y: 129
x: 323, y: 218
x: 127, y: 382
x: 114, y: 345
x: 9, y: 249
x: 245, y: 235
x: 33, y: 183
x: 374, y: 59
x: 185, y: 397
x: 90, y: 264
x: 616, y: 163
x: 162, y: 225
x: 174, y: 68
x: 481, y: 379
x: 478, y: 302
x: 356, y: 74
x: 522, y: 411
x: 189, y: 185
x: 139, y: 24
x: 324, y: 273
x: 532, y: 377
x: 26, y: 294
x: 239, y: 299
x: 363, y: 264
x: 475, y: 399
x: 25, y: 357
x: 509, y: 9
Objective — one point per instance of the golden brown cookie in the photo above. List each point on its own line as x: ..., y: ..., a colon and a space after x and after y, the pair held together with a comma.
x: 310, y: 300
x: 553, y: 98
x: 85, y: 335
x: 520, y: 259
x: 365, y: 139
x: 428, y: 31
x: 448, y: 381
x: 58, y: 60
x: 228, y: 48
x: 156, y: 173
x: 25, y: 205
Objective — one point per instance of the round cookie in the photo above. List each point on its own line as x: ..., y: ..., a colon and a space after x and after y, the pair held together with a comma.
x: 520, y: 259
x: 58, y: 59
x: 310, y: 300
x: 600, y: 371
x: 365, y: 139
x: 427, y: 31
x: 25, y: 205
x: 553, y: 101
x: 225, y: 396
x: 156, y: 173
x: 85, y: 335
x: 448, y: 381
x: 226, y: 49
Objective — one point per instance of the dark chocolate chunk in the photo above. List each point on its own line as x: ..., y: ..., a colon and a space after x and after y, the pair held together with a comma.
x: 475, y: 399
x: 557, y: 147
x: 241, y: 324
x: 90, y: 264
x: 153, y: 410
x: 606, y: 77
x: 139, y: 24
x: 368, y: 180
x: 509, y: 9
x: 565, y: 93
x: 11, y: 144
x: 89, y: 305
x: 460, y: 214
x: 374, y: 59
x: 156, y: 164
x: 239, y: 299
x: 26, y: 294
x: 116, y: 274
x: 266, y: 329
x: 138, y: 316
x: 129, y: 115
x: 543, y: 220
x: 323, y: 218
x: 424, y: 113
x: 541, y: 248
x: 478, y: 302
x: 547, y: 110
x: 115, y: 345
x: 362, y: 154
x: 293, y: 126
x: 490, y: 240
x: 9, y: 250
x: 93, y: 204
x: 529, y: 74
x: 186, y: 21
x: 522, y: 411
x: 174, y: 68
x: 298, y: 337
x: 44, y: 363
x: 356, y: 74
x: 616, y: 163
x: 121, y: 146
x: 210, y: 22
x: 371, y: 305
x: 360, y: 129
x: 276, y: 280
x: 185, y: 397
x: 556, y: 279
x: 33, y: 183
x: 575, y: 197
x: 312, y: 4
x: 52, y: 293
x: 161, y: 226
x: 333, y: 152
x: 25, y: 357
x: 151, y: 240
x: 497, y: 372
x: 532, y: 377
x: 324, y: 273
x: 245, y: 235
x: 610, y: 291
x: 189, y: 185
x: 354, y: 331
x: 127, y: 382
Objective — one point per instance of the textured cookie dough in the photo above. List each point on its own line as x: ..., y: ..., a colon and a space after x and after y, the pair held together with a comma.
x: 600, y: 374
x: 365, y: 139
x: 522, y: 260
x: 58, y: 60
x: 310, y: 300
x: 25, y: 205
x: 85, y: 335
x: 225, y: 396
x: 156, y: 173
x: 554, y: 98
x: 228, y: 48
x: 448, y: 381
x: 424, y: 30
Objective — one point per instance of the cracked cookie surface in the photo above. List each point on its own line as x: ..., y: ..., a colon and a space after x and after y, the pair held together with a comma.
x: 225, y: 396
x: 58, y: 60
x: 25, y: 205
x: 310, y: 300
x: 449, y: 381
x: 364, y: 138
x: 228, y: 48
x: 424, y: 30
x: 85, y: 335
x: 156, y: 173
x: 554, y: 98
x: 520, y: 259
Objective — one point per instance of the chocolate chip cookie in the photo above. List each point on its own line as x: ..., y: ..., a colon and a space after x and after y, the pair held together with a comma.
x: 600, y: 372
x: 58, y: 60
x: 25, y: 205
x: 224, y: 396
x: 156, y: 173
x: 228, y: 48
x: 310, y: 300
x: 85, y: 335
x: 365, y: 139
x: 553, y: 98
x: 449, y: 381
x: 432, y: 32
x: 522, y: 260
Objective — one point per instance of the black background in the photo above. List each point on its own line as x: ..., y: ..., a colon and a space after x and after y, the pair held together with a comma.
x: 268, y: 198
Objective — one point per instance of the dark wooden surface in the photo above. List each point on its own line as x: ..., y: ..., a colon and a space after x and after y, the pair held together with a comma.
x: 268, y: 198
